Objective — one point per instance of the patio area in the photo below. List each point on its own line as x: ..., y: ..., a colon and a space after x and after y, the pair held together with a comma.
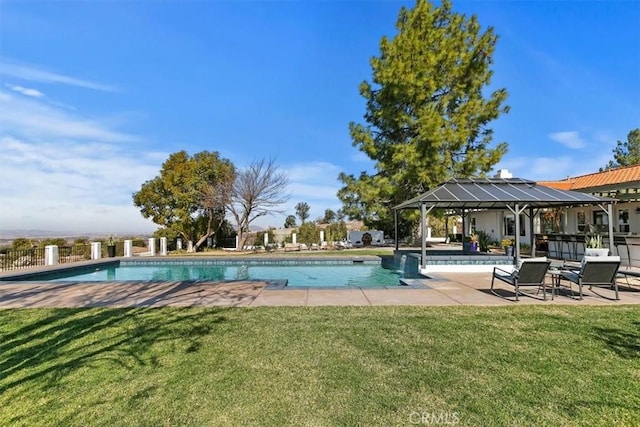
x: 442, y: 289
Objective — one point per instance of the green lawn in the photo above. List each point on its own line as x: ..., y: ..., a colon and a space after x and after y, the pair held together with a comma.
x: 321, y: 366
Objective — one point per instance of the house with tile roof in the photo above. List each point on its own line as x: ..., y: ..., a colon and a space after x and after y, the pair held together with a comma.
x: 622, y: 184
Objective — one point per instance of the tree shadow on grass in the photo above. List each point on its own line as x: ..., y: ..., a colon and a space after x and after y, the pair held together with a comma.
x: 130, y: 294
x: 41, y: 352
x: 622, y: 341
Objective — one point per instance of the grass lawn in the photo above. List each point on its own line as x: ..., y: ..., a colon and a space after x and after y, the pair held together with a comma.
x: 524, y: 365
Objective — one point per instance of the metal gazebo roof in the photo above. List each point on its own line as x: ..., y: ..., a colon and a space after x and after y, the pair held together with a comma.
x: 498, y: 193
x: 514, y: 194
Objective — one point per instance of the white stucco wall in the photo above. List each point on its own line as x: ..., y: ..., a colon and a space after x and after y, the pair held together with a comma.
x: 492, y: 222
x: 355, y: 237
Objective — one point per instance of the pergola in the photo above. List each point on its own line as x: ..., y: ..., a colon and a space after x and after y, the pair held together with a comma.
x: 514, y: 194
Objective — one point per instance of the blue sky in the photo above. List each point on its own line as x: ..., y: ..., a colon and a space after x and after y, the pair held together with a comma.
x: 94, y: 96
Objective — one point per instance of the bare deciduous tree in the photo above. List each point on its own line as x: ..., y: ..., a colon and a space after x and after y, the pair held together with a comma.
x: 214, y: 198
x: 257, y: 191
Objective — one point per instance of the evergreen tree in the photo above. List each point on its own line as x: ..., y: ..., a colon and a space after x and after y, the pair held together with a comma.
x: 426, y: 116
x: 627, y: 152
x: 329, y: 216
x: 290, y: 221
x: 302, y: 210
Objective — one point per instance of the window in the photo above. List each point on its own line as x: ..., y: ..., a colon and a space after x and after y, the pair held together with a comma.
x: 623, y: 220
x: 600, y: 221
x: 581, y: 221
x: 472, y: 226
x: 551, y: 220
x: 510, y: 225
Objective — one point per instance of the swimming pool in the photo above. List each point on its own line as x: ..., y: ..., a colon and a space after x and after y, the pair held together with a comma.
x: 293, y: 273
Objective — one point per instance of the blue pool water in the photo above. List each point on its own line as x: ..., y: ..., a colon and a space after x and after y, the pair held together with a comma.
x: 304, y: 274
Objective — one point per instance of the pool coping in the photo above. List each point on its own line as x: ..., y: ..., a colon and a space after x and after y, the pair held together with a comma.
x: 453, y: 289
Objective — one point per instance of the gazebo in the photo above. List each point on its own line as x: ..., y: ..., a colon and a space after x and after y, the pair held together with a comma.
x: 514, y: 194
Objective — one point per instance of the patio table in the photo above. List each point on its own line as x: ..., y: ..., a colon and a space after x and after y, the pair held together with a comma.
x: 556, y: 275
x: 555, y: 271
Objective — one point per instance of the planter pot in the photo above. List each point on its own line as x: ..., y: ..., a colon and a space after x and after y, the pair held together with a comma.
x: 596, y: 252
x: 111, y: 251
x: 508, y: 250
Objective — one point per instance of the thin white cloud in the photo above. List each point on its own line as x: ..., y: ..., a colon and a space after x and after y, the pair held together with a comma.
x: 25, y: 91
x: 570, y: 139
x: 65, y: 185
x: 313, y: 172
x: 605, y: 137
x: 28, y: 117
x: 548, y: 168
x: 33, y: 74
x: 303, y: 191
x: 76, y: 217
x: 94, y: 172
x: 64, y: 172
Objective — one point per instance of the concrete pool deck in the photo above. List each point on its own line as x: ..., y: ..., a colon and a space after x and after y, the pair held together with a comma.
x: 443, y: 289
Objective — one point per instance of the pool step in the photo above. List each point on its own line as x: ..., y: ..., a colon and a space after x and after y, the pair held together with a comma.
x: 414, y: 283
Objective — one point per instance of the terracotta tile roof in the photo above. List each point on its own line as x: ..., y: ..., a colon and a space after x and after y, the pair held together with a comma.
x: 598, y: 179
x: 558, y: 185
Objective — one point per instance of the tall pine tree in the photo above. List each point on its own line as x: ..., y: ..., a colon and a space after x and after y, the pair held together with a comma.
x: 427, y: 111
x: 626, y: 153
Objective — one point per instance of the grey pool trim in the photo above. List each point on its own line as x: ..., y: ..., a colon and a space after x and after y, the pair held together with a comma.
x: 35, y: 275
x: 256, y: 260
x: 21, y: 275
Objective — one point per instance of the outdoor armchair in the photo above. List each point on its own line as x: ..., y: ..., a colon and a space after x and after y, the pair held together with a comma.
x: 596, y: 270
x: 531, y: 272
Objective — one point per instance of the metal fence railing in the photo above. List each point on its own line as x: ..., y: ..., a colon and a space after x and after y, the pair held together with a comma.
x: 75, y: 253
x: 16, y: 259
x: 21, y: 258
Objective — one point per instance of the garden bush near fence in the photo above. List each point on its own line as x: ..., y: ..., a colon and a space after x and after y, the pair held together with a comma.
x: 75, y: 253
x: 15, y: 259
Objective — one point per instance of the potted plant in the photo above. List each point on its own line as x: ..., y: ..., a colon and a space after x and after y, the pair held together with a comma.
x: 484, y: 240
x: 111, y: 247
x: 593, y: 246
x: 466, y: 244
x: 507, y: 244
x: 473, y: 242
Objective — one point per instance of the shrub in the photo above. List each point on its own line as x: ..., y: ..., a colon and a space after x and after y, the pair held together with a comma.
x: 506, y: 243
x: 484, y: 240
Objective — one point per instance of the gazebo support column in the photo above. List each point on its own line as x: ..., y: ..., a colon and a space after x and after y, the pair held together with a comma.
x: 423, y: 232
x: 463, y: 214
x: 609, y: 211
x: 395, y: 223
x: 532, y: 215
x: 517, y: 211
x: 446, y: 228
x: 610, y: 214
x: 423, y: 242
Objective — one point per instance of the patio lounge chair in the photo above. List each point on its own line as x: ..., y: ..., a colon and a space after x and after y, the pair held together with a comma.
x: 598, y: 270
x: 531, y: 272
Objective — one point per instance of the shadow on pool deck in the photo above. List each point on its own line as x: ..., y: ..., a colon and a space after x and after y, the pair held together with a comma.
x: 445, y: 289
